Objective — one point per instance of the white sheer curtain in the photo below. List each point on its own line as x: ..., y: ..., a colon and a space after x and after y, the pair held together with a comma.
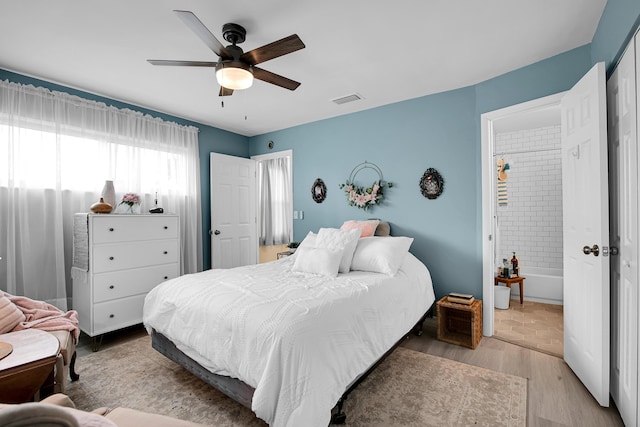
x: 56, y: 151
x: 275, y: 200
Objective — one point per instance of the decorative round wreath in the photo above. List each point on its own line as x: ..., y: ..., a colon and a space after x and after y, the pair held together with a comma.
x: 365, y: 197
x: 431, y: 184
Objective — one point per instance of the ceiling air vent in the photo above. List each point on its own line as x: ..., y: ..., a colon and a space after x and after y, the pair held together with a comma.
x: 348, y: 98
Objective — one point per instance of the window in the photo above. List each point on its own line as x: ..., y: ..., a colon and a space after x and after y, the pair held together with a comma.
x: 56, y: 152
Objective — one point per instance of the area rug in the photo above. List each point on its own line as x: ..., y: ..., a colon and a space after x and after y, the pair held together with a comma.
x: 408, y: 389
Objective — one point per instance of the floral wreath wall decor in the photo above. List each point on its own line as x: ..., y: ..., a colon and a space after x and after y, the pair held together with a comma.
x: 431, y: 184
x: 365, y: 197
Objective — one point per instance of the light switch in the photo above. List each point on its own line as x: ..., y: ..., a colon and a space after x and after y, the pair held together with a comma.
x: 295, y: 214
x: 301, y: 215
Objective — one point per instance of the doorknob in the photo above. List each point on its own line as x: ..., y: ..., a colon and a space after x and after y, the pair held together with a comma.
x: 595, y: 250
x: 216, y: 232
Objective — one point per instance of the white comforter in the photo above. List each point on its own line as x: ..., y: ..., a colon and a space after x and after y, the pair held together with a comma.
x: 298, y: 339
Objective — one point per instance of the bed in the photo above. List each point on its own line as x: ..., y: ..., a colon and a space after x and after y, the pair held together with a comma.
x: 291, y: 338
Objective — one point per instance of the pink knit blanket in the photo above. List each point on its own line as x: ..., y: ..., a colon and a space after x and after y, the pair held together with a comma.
x: 42, y: 315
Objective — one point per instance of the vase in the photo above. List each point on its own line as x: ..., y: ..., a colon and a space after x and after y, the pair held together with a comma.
x: 101, y: 207
x: 126, y: 208
x: 109, y: 193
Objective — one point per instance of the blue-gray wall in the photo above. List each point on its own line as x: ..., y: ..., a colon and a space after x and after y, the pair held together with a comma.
x: 404, y: 139
x: 210, y: 139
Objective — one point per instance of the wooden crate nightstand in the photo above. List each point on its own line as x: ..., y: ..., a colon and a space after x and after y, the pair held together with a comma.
x: 459, y: 324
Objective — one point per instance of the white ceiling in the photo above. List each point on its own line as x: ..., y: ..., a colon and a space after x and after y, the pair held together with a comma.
x: 384, y: 51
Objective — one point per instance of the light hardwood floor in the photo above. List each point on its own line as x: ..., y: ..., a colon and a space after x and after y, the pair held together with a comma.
x: 555, y: 395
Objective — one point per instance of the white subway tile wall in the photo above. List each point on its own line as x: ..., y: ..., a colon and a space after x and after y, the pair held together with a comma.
x: 531, y: 223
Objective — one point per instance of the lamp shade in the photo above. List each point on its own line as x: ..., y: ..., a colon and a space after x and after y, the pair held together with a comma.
x: 234, y: 75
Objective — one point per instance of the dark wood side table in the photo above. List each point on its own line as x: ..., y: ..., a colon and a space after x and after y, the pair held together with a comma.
x: 29, y: 366
x: 511, y: 280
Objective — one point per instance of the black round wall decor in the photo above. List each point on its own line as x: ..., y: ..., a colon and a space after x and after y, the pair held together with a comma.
x: 318, y: 191
x: 431, y: 184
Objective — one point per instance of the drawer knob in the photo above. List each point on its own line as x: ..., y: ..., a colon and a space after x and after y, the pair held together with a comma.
x: 111, y: 316
x: 166, y: 228
x: 166, y: 277
x: 165, y: 252
x: 111, y: 287
x: 110, y: 228
x: 111, y: 258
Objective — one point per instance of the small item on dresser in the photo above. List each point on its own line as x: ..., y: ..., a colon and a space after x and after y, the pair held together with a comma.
x: 156, y: 209
x: 466, y: 299
x: 109, y: 194
x: 101, y: 207
x: 130, y: 204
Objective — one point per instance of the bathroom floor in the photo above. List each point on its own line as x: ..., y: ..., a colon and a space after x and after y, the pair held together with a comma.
x: 533, y: 325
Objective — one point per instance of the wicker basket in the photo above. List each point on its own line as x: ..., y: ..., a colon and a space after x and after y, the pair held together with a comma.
x: 460, y: 324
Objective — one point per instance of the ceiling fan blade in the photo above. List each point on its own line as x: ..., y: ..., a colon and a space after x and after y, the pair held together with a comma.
x: 182, y: 63
x: 225, y: 91
x: 273, y: 78
x: 203, y: 33
x: 273, y: 50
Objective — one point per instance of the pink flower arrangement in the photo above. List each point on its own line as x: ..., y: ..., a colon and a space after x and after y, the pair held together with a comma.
x: 362, y: 197
x: 130, y: 199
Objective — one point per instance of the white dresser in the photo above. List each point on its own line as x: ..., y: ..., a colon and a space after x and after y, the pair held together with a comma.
x: 118, y: 259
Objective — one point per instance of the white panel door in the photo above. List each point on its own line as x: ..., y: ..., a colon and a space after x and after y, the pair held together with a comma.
x: 233, y: 211
x: 623, y: 157
x: 586, y: 232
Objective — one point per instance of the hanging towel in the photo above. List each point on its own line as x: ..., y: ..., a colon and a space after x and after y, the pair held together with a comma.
x: 81, y: 241
x: 502, y: 167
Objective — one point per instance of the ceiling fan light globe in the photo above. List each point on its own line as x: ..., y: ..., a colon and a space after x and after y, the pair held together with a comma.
x: 234, y: 78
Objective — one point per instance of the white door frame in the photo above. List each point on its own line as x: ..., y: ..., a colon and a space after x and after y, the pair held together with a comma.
x: 489, y: 196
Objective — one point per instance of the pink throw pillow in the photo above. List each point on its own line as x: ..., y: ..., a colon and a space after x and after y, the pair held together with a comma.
x: 367, y: 228
x: 10, y: 315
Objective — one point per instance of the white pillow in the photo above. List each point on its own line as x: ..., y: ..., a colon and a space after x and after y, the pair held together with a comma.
x: 321, y: 261
x: 380, y: 254
x: 342, y: 240
x: 309, y: 241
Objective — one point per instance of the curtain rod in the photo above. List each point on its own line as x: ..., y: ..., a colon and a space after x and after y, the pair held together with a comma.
x: 525, y: 151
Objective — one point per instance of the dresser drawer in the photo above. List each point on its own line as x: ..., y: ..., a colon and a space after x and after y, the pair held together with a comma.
x: 133, y: 255
x: 129, y: 228
x: 124, y: 283
x: 117, y: 314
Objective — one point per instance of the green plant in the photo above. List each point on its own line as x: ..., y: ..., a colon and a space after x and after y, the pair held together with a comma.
x: 293, y: 245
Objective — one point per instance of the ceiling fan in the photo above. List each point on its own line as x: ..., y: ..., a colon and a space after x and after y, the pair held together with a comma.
x: 236, y: 69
